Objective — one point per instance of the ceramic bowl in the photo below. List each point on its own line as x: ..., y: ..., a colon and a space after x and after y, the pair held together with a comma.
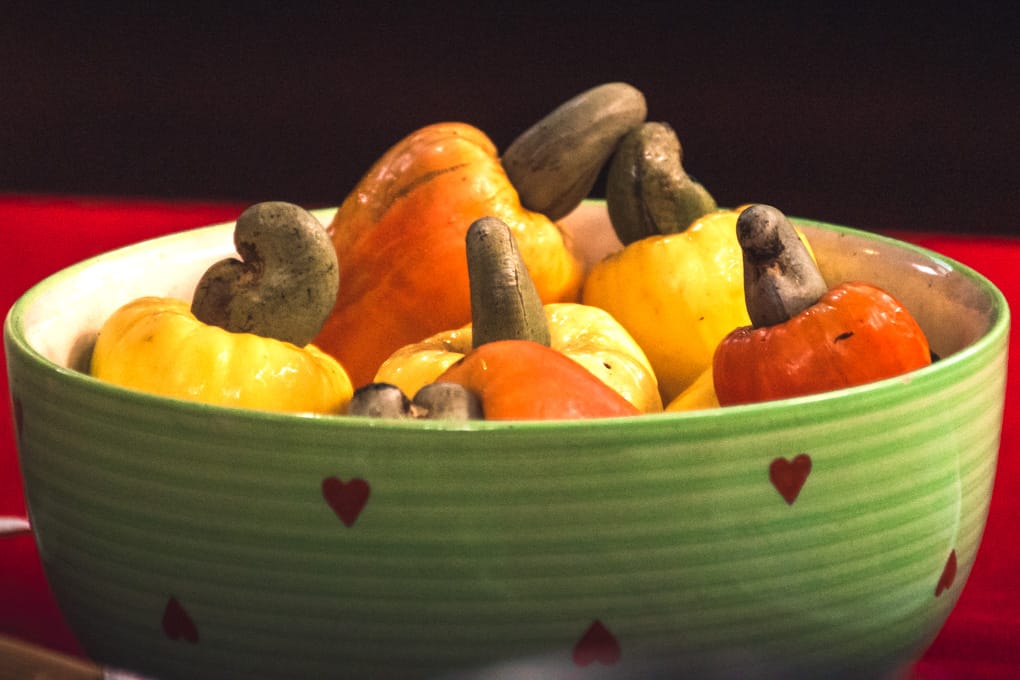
x: 826, y: 536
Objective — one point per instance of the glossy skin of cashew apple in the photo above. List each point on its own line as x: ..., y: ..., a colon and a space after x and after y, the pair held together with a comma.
x: 399, y: 238
x: 243, y: 340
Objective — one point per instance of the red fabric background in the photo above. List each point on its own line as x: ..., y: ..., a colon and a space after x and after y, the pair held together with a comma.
x: 42, y: 234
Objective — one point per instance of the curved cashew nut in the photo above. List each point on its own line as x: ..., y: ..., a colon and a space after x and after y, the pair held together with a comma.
x: 780, y: 277
x: 555, y: 163
x: 286, y: 282
x: 648, y: 192
x: 504, y: 301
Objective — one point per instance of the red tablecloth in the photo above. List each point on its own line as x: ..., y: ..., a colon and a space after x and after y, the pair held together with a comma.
x: 42, y: 234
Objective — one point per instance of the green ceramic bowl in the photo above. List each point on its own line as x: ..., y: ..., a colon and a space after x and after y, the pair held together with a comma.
x: 826, y: 536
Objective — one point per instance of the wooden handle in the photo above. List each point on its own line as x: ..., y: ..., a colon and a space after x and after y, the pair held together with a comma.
x: 10, y: 526
x: 21, y: 660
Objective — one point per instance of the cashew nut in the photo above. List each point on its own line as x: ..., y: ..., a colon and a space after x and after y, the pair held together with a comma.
x: 780, y: 276
x: 286, y: 282
x: 648, y: 191
x: 504, y: 301
x: 554, y: 164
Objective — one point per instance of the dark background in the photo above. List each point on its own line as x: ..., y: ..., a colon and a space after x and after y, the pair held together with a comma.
x: 871, y: 116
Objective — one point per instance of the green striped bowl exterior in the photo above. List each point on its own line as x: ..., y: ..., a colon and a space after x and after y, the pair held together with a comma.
x: 189, y: 541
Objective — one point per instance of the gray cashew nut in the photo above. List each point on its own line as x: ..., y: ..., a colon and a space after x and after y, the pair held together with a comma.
x: 285, y: 284
x: 648, y: 192
x: 555, y: 163
x: 781, y: 278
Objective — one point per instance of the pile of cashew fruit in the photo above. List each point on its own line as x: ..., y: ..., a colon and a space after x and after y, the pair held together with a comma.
x: 444, y: 288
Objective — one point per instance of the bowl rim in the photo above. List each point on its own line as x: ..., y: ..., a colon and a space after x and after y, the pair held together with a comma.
x: 16, y: 342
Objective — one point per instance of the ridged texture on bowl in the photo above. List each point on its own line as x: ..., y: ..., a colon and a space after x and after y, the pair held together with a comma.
x: 820, y: 537
x: 502, y: 545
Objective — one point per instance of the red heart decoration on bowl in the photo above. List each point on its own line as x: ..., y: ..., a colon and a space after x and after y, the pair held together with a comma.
x: 177, y: 624
x: 948, y: 574
x: 347, y: 499
x: 598, y: 644
x: 788, y: 476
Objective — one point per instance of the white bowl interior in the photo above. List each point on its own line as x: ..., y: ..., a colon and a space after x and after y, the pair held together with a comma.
x: 67, y: 312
